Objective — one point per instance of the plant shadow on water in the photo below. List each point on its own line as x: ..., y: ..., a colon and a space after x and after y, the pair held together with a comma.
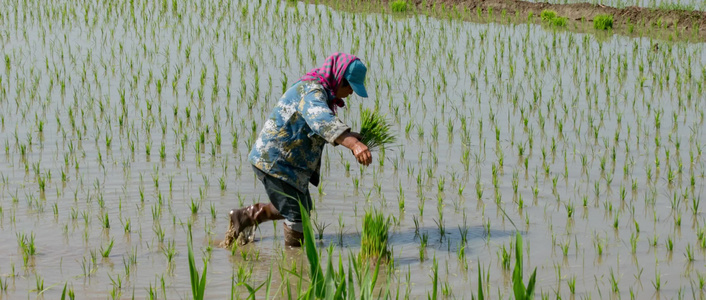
x: 478, y: 236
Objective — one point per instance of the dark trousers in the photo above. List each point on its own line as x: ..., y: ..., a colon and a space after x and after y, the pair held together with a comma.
x: 285, y: 198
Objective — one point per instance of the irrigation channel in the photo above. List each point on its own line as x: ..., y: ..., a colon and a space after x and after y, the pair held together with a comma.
x: 122, y: 122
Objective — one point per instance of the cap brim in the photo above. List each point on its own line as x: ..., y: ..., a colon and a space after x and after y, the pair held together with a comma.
x: 359, y: 89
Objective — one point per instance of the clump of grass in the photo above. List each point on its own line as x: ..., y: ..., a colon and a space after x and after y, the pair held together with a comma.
x: 399, y: 6
x: 548, y: 15
x: 375, y: 130
x: 373, y: 243
x: 603, y: 22
x: 551, y: 17
x: 559, y: 21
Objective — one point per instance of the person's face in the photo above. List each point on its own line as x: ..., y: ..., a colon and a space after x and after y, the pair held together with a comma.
x: 344, y: 92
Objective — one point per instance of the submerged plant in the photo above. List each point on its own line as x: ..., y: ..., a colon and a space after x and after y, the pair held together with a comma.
x: 375, y: 130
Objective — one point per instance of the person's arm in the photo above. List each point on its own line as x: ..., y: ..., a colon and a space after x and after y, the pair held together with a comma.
x: 324, y: 123
x: 320, y: 118
x: 360, y: 150
x: 357, y: 135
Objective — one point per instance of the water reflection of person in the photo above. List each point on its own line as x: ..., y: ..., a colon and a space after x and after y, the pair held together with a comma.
x: 287, y: 154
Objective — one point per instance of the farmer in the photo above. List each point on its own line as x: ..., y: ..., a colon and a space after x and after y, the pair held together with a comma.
x: 287, y: 154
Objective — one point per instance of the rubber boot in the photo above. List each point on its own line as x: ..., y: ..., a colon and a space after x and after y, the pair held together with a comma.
x: 292, y: 238
x: 243, y: 222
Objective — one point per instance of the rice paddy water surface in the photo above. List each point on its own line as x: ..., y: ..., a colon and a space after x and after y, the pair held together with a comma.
x: 122, y: 122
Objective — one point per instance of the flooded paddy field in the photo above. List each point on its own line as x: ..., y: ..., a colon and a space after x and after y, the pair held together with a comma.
x: 125, y: 123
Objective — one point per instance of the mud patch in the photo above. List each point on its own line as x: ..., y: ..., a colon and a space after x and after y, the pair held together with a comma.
x: 247, y: 235
x: 624, y: 19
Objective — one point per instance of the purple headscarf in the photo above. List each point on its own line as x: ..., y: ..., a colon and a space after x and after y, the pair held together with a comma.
x: 330, y: 75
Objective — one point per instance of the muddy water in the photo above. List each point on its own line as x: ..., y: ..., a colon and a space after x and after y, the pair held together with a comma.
x: 466, y: 99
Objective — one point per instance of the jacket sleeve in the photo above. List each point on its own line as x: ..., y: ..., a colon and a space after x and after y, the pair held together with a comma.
x: 320, y: 118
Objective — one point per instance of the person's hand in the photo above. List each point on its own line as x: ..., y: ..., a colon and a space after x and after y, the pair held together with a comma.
x: 352, y: 141
x: 362, y: 153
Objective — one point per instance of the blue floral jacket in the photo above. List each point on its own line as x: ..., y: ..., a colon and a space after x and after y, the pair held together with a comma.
x: 291, y: 142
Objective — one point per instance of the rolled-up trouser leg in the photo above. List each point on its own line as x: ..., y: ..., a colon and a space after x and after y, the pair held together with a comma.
x: 286, y: 199
x: 292, y: 238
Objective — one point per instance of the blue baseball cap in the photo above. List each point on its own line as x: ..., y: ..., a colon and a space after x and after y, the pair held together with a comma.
x: 355, y: 74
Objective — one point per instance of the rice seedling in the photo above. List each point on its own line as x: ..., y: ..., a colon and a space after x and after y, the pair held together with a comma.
x: 39, y: 284
x: 374, y: 238
x: 669, y: 244
x: 213, y: 211
x: 657, y: 283
x: 423, y: 241
x: 614, y: 282
x: 194, y: 206
x: 571, y: 282
x: 434, y: 279
x: 26, y: 244
x: 198, y: 281
x: 520, y: 290
x: 105, y: 220
x: 222, y: 183
x: 3, y: 284
x: 504, y: 257
x: 105, y: 251
x: 320, y: 227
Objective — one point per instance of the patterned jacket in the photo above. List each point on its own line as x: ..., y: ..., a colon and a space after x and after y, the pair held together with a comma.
x: 291, y: 142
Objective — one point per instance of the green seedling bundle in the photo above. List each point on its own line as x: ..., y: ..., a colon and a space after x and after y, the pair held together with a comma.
x: 375, y: 129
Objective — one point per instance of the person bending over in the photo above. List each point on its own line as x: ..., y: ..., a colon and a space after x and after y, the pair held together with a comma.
x: 287, y: 154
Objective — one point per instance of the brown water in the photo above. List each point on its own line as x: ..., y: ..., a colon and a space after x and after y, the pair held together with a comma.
x: 466, y: 99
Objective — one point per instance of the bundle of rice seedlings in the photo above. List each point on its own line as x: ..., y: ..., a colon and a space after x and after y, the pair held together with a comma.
x: 375, y: 130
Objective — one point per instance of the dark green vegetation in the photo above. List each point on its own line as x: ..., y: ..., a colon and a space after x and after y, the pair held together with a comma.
x: 551, y: 17
x: 603, y: 22
x: 399, y: 6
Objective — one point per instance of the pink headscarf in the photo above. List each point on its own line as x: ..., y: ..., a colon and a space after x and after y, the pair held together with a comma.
x: 331, y: 75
